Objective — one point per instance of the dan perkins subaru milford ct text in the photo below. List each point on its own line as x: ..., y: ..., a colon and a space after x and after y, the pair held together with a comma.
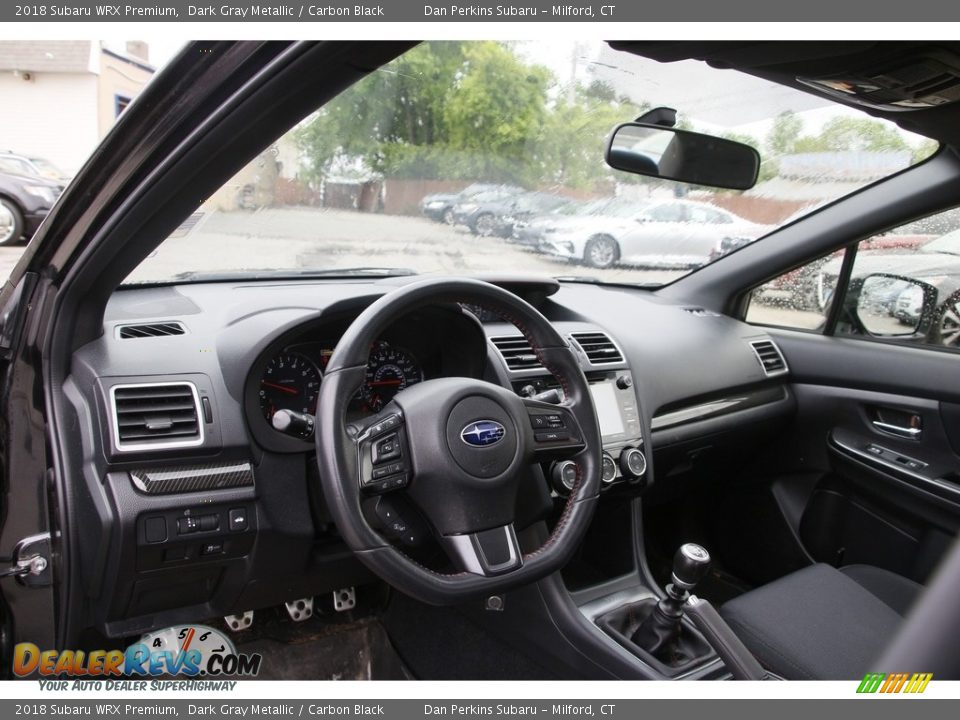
x: 472, y: 11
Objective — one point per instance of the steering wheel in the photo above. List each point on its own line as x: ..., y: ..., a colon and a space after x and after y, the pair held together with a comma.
x: 458, y: 448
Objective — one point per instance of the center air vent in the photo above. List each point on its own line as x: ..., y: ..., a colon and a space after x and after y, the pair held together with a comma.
x: 164, y: 415
x: 125, y: 332
x: 769, y: 356
x: 517, y: 353
x: 598, y: 348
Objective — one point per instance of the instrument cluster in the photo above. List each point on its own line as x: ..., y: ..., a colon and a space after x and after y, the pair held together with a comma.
x: 291, y: 379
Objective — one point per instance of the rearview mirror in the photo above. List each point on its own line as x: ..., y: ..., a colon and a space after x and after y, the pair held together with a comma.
x: 683, y: 156
x: 893, y: 306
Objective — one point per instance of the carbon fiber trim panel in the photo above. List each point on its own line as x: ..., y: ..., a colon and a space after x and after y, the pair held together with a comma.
x: 193, y: 478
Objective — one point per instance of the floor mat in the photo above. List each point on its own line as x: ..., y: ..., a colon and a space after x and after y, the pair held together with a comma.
x: 314, y: 650
x: 441, y: 644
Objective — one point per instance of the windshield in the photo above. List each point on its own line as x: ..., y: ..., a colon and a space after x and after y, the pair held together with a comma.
x: 374, y: 181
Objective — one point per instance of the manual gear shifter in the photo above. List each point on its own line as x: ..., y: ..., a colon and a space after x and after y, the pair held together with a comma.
x: 659, y: 632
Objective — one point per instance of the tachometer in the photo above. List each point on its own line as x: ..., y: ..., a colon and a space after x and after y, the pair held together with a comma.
x: 390, y: 370
x: 290, y: 382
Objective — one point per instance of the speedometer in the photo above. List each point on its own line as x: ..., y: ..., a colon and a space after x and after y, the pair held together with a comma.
x: 390, y: 370
x: 289, y: 382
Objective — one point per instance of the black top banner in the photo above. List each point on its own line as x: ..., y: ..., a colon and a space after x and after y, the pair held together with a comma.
x: 738, y: 11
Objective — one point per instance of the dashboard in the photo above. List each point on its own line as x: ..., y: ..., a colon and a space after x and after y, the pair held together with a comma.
x: 196, y: 500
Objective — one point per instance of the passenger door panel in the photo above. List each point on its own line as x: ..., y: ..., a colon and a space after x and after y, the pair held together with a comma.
x: 879, y: 424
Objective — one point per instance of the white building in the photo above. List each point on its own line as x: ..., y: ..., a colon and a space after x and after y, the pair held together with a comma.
x: 59, y: 98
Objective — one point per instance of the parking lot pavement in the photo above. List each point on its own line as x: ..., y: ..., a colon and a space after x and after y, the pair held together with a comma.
x: 784, y: 317
x: 8, y: 259
x: 323, y: 239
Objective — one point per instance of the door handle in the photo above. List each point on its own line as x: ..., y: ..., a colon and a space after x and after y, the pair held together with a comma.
x: 911, y: 433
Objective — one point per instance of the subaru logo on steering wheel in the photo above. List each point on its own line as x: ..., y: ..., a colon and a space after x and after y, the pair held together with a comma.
x: 482, y: 433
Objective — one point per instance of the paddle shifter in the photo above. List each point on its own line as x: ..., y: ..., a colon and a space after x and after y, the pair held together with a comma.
x: 659, y: 633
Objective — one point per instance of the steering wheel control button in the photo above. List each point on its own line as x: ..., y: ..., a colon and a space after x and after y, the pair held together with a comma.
x: 386, y: 449
x: 387, y: 470
x: 547, y: 421
x: 391, y: 422
x: 381, y: 485
x: 238, y: 520
x: 552, y: 436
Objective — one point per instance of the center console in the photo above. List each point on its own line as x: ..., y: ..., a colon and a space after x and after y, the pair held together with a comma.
x: 614, y: 397
x: 605, y: 601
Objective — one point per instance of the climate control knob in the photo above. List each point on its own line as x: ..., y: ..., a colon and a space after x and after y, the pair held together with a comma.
x: 608, y: 470
x: 633, y: 463
x: 564, y: 475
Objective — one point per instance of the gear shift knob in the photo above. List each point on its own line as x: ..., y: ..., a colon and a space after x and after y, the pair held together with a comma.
x: 690, y: 564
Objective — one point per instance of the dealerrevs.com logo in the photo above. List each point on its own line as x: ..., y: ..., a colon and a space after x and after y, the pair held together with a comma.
x: 183, y: 650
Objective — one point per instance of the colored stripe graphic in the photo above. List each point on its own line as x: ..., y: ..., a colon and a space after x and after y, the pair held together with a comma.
x: 890, y: 683
x: 871, y: 682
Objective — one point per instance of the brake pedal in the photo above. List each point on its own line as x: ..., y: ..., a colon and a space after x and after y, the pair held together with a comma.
x: 300, y: 610
x: 344, y: 599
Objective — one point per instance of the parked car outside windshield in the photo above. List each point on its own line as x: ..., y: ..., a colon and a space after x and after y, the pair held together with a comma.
x: 492, y: 139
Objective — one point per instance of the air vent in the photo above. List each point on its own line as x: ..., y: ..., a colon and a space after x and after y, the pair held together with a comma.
x: 125, y: 332
x: 598, y: 348
x: 517, y: 353
x: 769, y: 356
x: 164, y: 415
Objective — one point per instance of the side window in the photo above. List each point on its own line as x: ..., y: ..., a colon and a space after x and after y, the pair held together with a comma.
x: 904, y: 287
x: 798, y: 299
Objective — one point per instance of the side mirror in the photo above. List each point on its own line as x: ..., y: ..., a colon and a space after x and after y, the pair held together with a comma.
x: 895, y: 306
x: 683, y: 156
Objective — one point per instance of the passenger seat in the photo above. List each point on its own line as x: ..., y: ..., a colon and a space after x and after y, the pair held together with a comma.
x: 821, y: 623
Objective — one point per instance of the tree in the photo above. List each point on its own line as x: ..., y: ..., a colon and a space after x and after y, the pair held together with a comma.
x: 842, y: 134
x: 402, y: 104
x: 572, y: 144
x: 783, y: 135
x: 924, y: 150
x: 472, y: 111
x: 498, y: 108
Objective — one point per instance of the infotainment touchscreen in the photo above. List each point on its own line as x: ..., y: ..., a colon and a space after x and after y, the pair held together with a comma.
x: 608, y: 410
